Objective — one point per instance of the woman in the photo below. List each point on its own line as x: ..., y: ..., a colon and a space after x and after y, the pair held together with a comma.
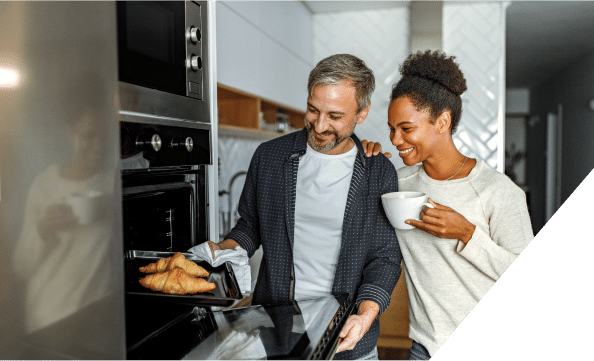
x: 479, y: 223
x: 56, y: 242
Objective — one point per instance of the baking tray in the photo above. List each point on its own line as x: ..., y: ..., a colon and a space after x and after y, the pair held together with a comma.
x: 224, y: 295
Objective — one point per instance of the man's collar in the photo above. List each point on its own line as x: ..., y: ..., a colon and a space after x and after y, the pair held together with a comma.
x: 300, y: 145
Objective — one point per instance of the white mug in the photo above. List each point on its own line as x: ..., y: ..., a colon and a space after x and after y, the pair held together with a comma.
x: 400, y: 206
x: 86, y: 206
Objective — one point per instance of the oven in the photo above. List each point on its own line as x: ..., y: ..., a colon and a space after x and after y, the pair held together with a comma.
x: 160, y: 45
x: 298, y: 330
x: 164, y: 185
x: 167, y: 147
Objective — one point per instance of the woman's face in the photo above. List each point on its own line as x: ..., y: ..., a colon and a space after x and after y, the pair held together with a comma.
x: 88, y: 137
x: 411, y: 131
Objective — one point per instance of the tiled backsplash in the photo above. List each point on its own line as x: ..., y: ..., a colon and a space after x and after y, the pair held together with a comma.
x: 235, y: 155
x: 475, y: 33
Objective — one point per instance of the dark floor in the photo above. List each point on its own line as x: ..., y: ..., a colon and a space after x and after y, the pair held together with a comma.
x: 388, y: 353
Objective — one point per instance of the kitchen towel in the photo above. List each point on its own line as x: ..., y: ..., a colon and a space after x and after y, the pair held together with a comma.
x: 237, y: 257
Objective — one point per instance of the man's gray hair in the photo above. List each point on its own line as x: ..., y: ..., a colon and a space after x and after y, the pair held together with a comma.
x: 336, y: 68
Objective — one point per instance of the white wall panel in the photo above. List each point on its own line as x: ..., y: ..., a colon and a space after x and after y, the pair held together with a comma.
x: 475, y: 34
x: 381, y: 39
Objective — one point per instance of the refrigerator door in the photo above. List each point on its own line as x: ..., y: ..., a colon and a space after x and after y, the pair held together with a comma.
x: 61, y: 293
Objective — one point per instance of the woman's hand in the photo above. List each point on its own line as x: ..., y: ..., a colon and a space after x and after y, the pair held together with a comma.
x: 57, y: 217
x: 372, y: 148
x: 444, y: 222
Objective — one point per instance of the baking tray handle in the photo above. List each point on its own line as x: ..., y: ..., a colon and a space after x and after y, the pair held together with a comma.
x: 235, y: 291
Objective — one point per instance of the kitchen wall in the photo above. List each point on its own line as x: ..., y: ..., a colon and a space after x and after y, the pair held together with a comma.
x: 517, y: 101
x: 572, y: 88
x: 475, y: 33
x: 517, y: 107
x: 381, y: 39
x: 265, y: 48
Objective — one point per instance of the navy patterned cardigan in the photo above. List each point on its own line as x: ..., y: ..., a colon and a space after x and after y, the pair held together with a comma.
x: 369, y: 261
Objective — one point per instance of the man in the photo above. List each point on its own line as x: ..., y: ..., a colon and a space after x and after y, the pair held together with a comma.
x: 311, y: 199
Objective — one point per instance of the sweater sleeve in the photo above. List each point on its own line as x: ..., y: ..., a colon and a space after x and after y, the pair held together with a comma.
x: 30, y: 246
x: 382, y: 268
x: 509, y: 232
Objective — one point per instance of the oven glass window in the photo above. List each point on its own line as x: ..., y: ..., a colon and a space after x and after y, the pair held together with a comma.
x: 159, y: 219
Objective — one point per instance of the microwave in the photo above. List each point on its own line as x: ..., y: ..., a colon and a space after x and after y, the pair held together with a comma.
x: 160, y: 46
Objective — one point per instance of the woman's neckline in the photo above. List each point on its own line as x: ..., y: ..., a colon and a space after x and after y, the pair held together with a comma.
x: 473, y: 172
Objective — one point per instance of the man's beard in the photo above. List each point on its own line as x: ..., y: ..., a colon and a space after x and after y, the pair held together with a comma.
x: 338, y: 139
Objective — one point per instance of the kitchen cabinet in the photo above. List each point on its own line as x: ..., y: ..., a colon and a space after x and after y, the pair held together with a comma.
x: 242, y: 114
x: 395, y: 320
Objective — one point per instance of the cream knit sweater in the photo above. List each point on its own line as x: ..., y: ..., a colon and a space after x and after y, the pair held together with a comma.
x: 444, y: 278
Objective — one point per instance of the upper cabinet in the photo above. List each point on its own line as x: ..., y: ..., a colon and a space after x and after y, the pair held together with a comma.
x: 264, y: 58
x: 241, y: 112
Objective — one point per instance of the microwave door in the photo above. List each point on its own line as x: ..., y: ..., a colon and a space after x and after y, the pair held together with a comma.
x: 152, y: 44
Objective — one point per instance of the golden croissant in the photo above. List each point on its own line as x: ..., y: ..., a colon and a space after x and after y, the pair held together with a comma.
x: 177, y: 260
x: 176, y: 282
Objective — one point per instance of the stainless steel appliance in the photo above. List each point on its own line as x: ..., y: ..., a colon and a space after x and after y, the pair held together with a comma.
x: 62, y: 292
x: 168, y: 140
x: 164, y: 185
x: 160, y: 45
x: 167, y: 147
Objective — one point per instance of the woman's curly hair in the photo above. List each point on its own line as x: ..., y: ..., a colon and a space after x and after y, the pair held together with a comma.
x: 433, y: 81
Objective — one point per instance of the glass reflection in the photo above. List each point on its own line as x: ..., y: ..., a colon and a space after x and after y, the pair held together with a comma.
x: 131, y: 157
x: 263, y: 332
x: 63, y: 249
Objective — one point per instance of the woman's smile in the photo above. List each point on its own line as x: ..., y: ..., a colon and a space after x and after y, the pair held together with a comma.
x: 405, y: 151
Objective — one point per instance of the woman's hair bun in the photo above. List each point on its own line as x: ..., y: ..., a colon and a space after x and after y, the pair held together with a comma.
x: 437, y: 67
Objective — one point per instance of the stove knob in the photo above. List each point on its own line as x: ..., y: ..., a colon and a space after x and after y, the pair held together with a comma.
x: 195, y: 35
x: 195, y: 62
x: 182, y: 144
x: 149, y: 143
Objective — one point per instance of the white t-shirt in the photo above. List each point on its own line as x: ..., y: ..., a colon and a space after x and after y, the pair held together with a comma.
x: 323, y: 183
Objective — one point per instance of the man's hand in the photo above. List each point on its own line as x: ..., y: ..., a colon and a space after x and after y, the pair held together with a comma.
x: 357, y: 325
x: 372, y: 148
x: 226, y: 244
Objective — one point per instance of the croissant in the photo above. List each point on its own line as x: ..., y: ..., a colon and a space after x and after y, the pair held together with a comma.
x: 177, y: 260
x: 176, y: 282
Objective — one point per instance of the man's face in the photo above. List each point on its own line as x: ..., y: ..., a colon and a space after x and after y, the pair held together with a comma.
x: 331, y: 117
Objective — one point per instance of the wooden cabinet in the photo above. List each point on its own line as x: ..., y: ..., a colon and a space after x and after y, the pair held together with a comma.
x: 395, y: 320
x: 242, y: 114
